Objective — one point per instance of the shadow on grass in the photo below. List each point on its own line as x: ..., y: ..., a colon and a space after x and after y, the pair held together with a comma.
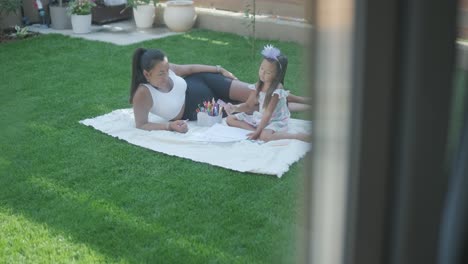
x: 105, y: 227
x: 133, y: 205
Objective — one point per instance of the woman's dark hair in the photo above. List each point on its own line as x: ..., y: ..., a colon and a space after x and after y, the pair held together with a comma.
x: 281, y: 63
x: 143, y: 59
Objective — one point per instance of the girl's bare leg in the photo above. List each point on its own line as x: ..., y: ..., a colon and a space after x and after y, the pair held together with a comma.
x: 268, y: 135
x: 234, y: 122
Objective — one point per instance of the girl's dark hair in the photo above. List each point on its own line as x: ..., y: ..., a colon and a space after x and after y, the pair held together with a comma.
x: 143, y: 59
x: 281, y: 64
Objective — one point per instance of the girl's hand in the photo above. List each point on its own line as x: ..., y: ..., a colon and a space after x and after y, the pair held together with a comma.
x: 178, y: 126
x: 229, y: 108
x: 254, y: 135
x: 227, y: 74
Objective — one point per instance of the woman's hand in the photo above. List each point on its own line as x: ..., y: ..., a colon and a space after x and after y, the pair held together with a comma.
x: 254, y: 135
x: 227, y: 73
x: 178, y: 126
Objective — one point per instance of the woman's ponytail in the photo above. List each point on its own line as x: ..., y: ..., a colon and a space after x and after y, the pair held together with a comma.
x: 143, y: 60
x: 137, y: 72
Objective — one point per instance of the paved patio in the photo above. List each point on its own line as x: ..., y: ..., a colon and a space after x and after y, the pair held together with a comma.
x: 119, y: 33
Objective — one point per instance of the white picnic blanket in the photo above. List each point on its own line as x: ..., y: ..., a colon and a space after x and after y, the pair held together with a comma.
x: 216, y: 145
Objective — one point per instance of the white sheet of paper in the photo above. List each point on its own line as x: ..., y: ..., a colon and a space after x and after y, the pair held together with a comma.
x: 222, y: 133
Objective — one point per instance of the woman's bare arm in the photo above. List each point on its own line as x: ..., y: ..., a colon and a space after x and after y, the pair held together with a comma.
x: 187, y: 69
x: 142, y: 104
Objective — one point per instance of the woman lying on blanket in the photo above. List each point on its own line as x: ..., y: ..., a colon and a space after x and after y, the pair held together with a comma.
x: 271, y: 121
x: 173, y: 91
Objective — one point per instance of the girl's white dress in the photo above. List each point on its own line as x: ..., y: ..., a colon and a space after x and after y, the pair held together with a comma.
x: 279, y: 118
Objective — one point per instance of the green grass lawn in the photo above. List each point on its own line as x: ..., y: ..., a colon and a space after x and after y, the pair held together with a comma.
x: 69, y: 193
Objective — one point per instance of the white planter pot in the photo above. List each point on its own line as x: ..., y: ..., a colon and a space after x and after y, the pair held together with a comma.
x: 81, y: 24
x: 144, y: 15
x: 179, y: 15
x: 59, y: 17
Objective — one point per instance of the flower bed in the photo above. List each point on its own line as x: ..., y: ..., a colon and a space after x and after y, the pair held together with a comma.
x: 11, y: 34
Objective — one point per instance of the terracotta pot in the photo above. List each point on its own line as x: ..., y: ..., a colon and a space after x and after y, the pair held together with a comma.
x: 179, y: 15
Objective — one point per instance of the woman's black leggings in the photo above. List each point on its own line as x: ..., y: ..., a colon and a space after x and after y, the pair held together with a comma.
x: 204, y: 87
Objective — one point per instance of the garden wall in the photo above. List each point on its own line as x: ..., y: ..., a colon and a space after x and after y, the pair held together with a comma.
x: 283, y: 8
x: 284, y: 20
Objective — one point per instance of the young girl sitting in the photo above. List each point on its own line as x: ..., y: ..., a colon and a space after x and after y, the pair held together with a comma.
x: 271, y: 121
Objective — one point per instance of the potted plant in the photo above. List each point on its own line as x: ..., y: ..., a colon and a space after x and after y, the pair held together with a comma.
x: 179, y: 15
x: 10, y: 14
x: 144, y: 12
x: 60, y: 19
x: 80, y: 11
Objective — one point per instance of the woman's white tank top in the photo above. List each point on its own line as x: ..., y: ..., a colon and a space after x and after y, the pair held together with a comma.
x: 168, y: 105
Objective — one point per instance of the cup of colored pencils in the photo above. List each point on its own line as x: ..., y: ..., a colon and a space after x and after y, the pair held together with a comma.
x: 209, y: 113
